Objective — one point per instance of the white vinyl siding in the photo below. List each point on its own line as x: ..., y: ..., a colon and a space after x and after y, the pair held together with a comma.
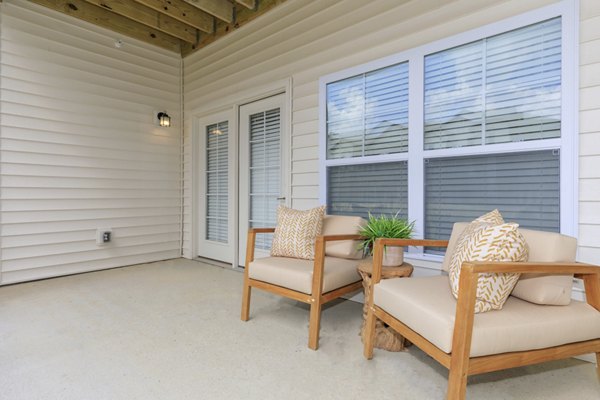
x: 80, y: 149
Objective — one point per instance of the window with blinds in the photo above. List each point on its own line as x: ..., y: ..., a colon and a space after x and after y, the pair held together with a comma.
x: 368, y: 114
x: 217, y: 182
x: 505, y: 88
x: 376, y: 188
x: 265, y: 172
x: 490, y: 121
x: 523, y: 186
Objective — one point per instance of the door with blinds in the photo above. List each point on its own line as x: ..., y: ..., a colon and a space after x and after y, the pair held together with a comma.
x: 262, y: 169
x: 215, y: 189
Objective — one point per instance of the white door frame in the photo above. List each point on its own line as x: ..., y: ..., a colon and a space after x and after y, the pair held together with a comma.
x: 232, y: 104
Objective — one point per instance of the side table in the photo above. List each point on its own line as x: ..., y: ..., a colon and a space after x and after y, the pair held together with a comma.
x: 385, y: 337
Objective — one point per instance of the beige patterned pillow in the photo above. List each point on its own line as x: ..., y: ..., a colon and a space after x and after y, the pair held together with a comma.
x: 490, y: 219
x: 492, y: 243
x: 296, y: 232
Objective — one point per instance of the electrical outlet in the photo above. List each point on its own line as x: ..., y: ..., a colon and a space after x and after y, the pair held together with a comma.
x: 103, y: 236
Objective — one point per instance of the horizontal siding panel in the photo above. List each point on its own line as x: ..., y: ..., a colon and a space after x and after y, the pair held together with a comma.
x: 588, y: 120
x: 86, y: 266
x: 306, y: 179
x: 589, y: 144
x: 9, y: 193
x: 26, y: 252
x: 80, y: 150
x: 84, y: 235
x: 32, y: 228
x: 305, y: 192
x: 86, y: 204
x: 589, y: 167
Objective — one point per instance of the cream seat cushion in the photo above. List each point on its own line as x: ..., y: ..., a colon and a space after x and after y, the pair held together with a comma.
x: 427, y: 306
x: 343, y: 225
x: 297, y: 274
x: 543, y: 247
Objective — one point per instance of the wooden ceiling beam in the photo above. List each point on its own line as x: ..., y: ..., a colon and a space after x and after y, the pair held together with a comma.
x: 247, y: 3
x: 117, y: 23
x: 147, y: 16
x: 184, y: 12
x: 243, y: 16
x: 221, y: 9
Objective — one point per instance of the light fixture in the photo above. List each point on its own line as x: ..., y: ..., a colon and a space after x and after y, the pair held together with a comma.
x: 164, y: 119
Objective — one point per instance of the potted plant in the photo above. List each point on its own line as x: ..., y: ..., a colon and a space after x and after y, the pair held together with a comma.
x: 386, y: 227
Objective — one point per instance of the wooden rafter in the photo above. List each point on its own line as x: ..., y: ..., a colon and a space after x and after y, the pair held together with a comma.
x: 117, y: 23
x: 221, y: 9
x: 149, y: 17
x: 184, y: 12
x: 182, y: 26
x: 247, y: 3
x: 243, y: 16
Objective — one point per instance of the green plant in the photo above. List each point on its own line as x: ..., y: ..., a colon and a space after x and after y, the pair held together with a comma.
x: 384, y: 227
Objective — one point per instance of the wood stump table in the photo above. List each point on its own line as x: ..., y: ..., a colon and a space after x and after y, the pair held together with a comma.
x: 385, y: 337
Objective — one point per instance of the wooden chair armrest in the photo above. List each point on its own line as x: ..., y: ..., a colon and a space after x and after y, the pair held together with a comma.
x: 260, y: 230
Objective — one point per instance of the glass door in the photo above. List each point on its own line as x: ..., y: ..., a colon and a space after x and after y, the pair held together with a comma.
x: 262, y: 169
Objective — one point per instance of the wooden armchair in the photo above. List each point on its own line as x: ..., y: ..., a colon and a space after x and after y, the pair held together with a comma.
x: 332, y: 274
x: 424, y: 311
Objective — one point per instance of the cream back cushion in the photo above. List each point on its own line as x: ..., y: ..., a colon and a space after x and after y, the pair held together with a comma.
x: 543, y: 247
x: 343, y: 225
x: 547, y: 289
x: 296, y: 232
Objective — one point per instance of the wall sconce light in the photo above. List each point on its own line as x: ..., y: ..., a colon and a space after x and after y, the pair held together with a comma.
x: 164, y: 119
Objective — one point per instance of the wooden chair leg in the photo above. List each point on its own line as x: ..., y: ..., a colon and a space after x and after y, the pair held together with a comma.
x: 314, y: 325
x: 246, y: 301
x: 457, y: 384
x: 369, y: 339
x: 598, y: 365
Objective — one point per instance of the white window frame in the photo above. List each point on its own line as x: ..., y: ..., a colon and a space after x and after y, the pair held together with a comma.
x: 568, y: 142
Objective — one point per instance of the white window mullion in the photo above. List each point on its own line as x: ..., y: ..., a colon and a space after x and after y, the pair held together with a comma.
x: 416, y: 188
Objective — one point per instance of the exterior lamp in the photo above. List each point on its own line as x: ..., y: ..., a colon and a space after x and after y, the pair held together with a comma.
x: 164, y: 119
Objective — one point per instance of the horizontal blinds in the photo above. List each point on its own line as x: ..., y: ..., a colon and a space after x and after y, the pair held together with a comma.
x: 453, y: 97
x: 368, y: 114
x: 525, y: 187
x: 359, y: 189
x: 217, y: 182
x: 505, y: 88
x: 523, y: 75
x: 265, y: 171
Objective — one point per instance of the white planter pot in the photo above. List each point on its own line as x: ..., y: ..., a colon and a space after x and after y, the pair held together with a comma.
x: 393, y: 256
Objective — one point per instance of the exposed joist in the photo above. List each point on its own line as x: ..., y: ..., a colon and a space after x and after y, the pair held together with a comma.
x: 247, y: 3
x: 184, y: 12
x: 117, y: 23
x: 243, y: 16
x: 149, y: 17
x: 221, y: 9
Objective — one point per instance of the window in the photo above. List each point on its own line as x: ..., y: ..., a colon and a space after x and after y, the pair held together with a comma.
x: 490, y: 125
x: 216, y: 182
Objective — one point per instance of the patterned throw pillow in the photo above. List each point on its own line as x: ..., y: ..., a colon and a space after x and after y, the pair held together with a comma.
x: 491, y: 243
x: 490, y: 219
x: 296, y: 232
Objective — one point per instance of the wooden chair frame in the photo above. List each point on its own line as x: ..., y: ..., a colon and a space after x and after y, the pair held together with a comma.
x: 459, y: 364
x: 315, y: 300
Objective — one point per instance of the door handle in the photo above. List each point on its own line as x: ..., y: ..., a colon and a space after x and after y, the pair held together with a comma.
x: 281, y: 198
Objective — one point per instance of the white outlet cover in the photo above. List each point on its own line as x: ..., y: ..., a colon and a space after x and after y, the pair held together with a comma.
x: 100, y: 236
